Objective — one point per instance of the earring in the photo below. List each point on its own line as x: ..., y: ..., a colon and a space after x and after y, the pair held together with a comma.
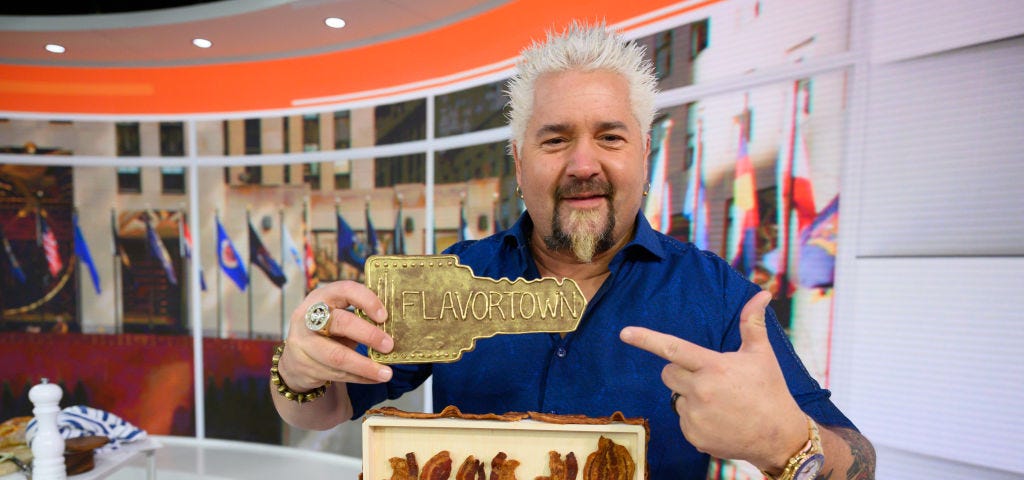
x: 647, y: 188
x: 519, y: 191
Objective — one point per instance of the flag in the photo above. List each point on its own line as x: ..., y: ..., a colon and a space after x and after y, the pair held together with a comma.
x: 82, y: 252
x: 658, y: 196
x: 464, y: 233
x: 795, y: 193
x: 347, y: 244
x: 186, y: 247
x: 260, y: 256
x: 695, y: 206
x: 818, y: 248
x: 158, y: 250
x: 371, y: 234
x: 15, y: 266
x: 229, y: 260
x: 311, y: 279
x: 741, y: 249
x: 398, y: 239
x: 116, y: 236
x: 50, y: 248
x: 291, y: 248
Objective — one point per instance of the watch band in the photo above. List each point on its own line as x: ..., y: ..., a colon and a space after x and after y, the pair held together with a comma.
x: 809, y: 457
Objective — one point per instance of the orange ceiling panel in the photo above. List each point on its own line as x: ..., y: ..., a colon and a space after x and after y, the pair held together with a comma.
x: 492, y: 37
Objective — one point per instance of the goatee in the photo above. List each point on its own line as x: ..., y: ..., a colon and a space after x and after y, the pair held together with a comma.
x: 583, y: 234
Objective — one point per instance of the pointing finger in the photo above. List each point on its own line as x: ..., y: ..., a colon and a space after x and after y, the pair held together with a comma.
x: 676, y: 350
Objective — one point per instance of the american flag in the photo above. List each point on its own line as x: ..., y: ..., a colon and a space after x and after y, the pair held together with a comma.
x: 53, y: 261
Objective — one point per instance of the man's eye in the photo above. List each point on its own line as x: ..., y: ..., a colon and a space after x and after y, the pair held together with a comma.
x: 611, y: 138
x: 553, y: 141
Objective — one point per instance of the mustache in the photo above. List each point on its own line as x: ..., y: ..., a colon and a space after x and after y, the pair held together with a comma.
x: 584, y: 188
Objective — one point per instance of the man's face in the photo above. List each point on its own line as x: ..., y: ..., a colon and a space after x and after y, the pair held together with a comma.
x: 583, y: 164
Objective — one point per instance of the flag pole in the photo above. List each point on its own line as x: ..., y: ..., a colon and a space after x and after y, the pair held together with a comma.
x: 305, y: 241
x: 220, y: 312
x: 695, y: 226
x: 787, y: 213
x: 116, y: 263
x: 284, y: 256
x: 186, y: 265
x: 337, y: 236
x: 78, y: 277
x: 248, y: 274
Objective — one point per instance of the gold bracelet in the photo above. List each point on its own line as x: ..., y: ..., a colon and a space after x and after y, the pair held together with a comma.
x: 282, y: 388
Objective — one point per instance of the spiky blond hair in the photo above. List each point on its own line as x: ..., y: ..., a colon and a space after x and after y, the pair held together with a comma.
x: 581, y: 47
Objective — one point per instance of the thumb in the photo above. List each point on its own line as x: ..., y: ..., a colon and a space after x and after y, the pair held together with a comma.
x: 753, y: 330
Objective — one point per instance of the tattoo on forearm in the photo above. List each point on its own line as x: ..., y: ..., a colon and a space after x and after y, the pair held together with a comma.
x: 862, y: 453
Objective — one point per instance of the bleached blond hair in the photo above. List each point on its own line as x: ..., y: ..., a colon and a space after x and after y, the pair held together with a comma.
x: 581, y: 47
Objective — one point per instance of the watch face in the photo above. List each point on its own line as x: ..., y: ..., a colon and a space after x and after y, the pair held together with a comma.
x: 810, y: 468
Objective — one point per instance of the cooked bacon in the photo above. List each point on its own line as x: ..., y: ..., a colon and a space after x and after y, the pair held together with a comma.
x: 439, y: 467
x: 610, y: 462
x: 502, y: 468
x: 561, y: 469
x: 471, y: 469
x: 404, y: 468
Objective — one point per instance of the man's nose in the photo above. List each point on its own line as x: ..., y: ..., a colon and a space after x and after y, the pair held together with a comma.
x: 583, y: 161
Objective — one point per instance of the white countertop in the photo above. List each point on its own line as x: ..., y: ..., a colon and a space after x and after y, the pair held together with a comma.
x: 187, y: 458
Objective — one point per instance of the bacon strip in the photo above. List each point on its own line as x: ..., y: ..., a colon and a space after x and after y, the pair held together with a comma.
x: 610, y: 462
x: 439, y: 467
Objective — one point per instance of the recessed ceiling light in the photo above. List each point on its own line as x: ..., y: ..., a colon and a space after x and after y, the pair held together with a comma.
x: 54, y: 48
x: 335, y: 22
x: 202, y: 43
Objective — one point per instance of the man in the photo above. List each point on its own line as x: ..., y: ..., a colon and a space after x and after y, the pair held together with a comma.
x: 660, y: 312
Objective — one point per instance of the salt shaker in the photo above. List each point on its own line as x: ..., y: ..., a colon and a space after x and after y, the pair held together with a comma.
x: 48, y: 444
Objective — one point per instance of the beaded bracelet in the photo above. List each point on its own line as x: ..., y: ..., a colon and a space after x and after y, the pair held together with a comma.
x: 283, y: 389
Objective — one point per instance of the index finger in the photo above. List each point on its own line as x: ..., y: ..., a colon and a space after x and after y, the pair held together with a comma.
x: 674, y: 349
x: 346, y: 293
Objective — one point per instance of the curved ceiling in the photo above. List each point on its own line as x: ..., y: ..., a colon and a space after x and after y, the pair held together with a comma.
x: 276, y: 54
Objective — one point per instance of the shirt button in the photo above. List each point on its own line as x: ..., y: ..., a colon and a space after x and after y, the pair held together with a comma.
x: 560, y: 352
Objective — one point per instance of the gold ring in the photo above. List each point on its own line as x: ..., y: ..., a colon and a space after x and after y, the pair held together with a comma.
x: 672, y: 401
x: 318, y: 318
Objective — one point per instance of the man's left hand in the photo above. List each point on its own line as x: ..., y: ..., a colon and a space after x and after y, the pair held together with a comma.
x: 732, y: 404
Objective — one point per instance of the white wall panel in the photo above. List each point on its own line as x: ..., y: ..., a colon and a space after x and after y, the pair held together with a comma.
x: 908, y: 28
x: 943, y: 166
x: 894, y: 463
x: 939, y: 364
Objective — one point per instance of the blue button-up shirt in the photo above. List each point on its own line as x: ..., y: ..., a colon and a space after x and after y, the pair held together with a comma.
x: 655, y: 282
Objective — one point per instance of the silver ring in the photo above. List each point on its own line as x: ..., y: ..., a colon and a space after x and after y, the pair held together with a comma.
x: 318, y: 318
x: 672, y: 401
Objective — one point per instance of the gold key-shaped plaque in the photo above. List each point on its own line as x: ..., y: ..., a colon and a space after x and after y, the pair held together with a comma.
x: 437, y: 308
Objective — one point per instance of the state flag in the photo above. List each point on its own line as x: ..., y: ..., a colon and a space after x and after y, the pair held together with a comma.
x: 82, y: 252
x: 230, y: 262
x: 260, y: 256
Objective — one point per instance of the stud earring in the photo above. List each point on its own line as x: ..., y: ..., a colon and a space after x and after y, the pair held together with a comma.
x: 647, y: 188
x: 519, y: 191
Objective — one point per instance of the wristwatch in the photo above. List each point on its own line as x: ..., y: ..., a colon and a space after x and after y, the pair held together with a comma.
x: 807, y: 462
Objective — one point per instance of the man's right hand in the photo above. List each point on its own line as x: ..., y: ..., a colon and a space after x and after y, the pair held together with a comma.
x: 311, y: 359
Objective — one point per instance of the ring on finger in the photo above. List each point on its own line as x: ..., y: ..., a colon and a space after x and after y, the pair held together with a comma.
x: 318, y: 318
x: 675, y: 396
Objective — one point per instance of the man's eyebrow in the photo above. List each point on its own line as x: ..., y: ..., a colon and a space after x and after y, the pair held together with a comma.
x: 552, y: 128
x: 615, y: 125
x: 560, y: 128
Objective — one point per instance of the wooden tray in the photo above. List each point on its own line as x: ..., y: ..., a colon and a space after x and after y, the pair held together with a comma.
x: 527, y: 437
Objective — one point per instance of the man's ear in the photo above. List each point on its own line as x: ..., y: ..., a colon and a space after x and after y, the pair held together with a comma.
x: 647, y: 156
x: 519, y: 167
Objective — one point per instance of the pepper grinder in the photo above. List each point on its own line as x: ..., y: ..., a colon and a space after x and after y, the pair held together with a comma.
x: 48, y: 444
